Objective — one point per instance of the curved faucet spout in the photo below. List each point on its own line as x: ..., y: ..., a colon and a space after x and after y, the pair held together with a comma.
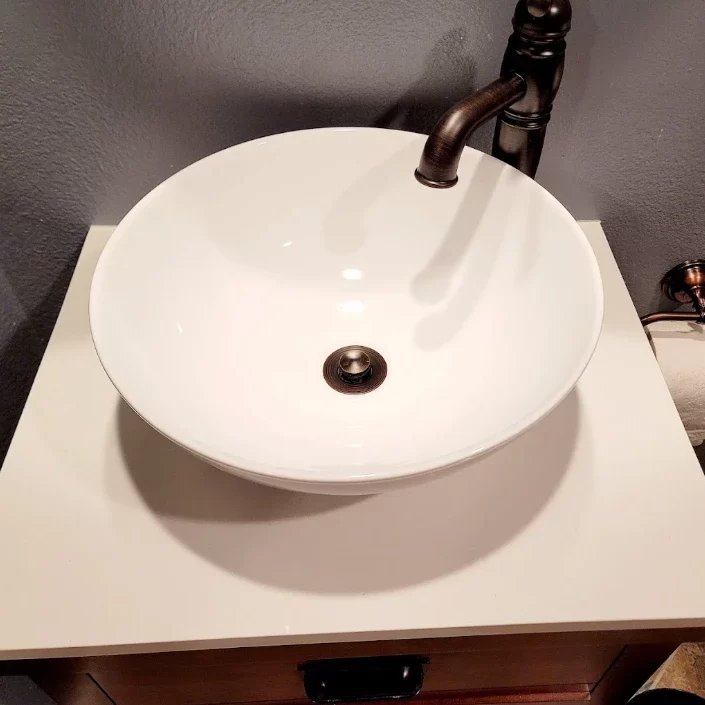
x: 441, y: 155
x: 523, y: 98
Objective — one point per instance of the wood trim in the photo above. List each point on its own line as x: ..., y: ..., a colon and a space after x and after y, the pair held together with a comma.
x: 547, y: 669
x: 72, y: 689
x: 491, y: 696
x: 506, y: 698
x: 81, y: 693
x: 499, y: 696
x: 631, y: 670
x: 306, y: 652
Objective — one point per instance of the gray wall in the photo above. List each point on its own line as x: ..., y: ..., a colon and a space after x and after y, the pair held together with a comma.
x: 102, y: 99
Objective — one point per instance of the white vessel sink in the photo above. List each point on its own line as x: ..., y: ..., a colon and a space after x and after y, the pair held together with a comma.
x: 222, y: 293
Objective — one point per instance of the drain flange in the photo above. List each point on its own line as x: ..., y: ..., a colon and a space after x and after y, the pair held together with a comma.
x: 354, y: 369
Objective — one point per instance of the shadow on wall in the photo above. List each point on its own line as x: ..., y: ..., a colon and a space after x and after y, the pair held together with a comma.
x: 348, y: 544
x: 32, y: 288
x: 448, y: 76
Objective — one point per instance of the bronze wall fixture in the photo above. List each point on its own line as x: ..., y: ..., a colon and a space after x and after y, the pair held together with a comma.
x: 684, y: 284
x: 522, y: 97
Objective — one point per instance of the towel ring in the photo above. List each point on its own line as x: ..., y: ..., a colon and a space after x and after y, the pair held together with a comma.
x: 684, y: 284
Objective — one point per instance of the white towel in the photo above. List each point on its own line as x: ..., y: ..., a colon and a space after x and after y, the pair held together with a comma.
x: 680, y: 350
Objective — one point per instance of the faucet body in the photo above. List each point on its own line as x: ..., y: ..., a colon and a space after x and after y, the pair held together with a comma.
x: 522, y: 98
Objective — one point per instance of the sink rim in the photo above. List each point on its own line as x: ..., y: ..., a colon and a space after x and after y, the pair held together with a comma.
x: 367, y: 475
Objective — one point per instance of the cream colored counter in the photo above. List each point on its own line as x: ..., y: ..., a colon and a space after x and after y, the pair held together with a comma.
x: 113, y: 540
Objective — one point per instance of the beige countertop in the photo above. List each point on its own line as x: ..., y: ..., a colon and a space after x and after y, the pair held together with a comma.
x: 114, y: 540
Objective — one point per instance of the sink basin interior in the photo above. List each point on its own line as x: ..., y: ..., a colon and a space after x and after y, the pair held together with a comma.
x: 222, y: 293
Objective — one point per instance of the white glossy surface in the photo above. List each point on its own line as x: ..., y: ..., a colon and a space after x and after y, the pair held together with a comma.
x: 221, y: 294
x: 112, y: 539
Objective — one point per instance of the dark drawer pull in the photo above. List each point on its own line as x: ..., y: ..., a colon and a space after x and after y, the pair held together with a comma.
x: 354, y: 680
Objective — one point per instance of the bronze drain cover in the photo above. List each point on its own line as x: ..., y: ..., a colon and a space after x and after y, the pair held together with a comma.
x: 354, y: 369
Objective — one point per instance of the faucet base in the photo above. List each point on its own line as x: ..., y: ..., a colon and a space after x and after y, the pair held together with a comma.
x: 434, y: 184
x: 536, y: 51
x: 519, y: 145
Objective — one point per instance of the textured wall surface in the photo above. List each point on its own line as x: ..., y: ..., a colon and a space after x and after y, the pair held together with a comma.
x: 100, y: 100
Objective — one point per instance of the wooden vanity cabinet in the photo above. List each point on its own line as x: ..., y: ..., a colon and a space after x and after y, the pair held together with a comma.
x: 603, y: 667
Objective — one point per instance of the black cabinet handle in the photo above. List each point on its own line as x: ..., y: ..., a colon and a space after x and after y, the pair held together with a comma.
x: 354, y: 680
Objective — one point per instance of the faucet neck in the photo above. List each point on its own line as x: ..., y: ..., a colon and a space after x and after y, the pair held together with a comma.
x: 438, y: 167
x: 523, y: 97
x: 536, y: 52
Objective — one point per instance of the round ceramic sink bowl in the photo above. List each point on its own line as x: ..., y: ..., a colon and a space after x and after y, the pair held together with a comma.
x: 222, y: 294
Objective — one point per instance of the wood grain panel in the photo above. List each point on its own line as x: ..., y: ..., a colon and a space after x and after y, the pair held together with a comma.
x: 568, y: 695
x: 244, y: 682
x: 494, y: 696
x: 206, y: 684
x: 631, y: 670
x: 518, y: 667
x: 72, y: 689
x: 305, y: 652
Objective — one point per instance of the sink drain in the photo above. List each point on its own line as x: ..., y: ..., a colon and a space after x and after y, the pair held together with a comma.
x: 354, y: 369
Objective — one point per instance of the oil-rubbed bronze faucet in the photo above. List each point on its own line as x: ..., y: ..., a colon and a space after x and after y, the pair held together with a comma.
x: 531, y: 74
